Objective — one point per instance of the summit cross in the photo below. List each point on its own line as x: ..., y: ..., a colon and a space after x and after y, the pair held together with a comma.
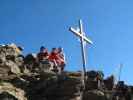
x: 83, y: 40
x: 80, y: 33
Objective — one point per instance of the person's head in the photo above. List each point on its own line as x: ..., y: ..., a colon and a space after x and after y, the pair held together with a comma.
x: 43, y: 49
x: 60, y: 49
x: 54, y: 50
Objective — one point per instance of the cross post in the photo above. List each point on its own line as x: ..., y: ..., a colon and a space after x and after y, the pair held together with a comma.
x: 83, y: 39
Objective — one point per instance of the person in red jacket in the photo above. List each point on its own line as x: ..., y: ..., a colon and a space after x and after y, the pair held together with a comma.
x: 43, y: 55
x: 58, y: 58
x: 53, y: 57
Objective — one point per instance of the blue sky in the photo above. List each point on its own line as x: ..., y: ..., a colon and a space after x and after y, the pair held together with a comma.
x: 32, y: 23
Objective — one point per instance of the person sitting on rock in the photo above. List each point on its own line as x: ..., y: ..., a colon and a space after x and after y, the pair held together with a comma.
x: 53, y: 57
x: 56, y: 60
x: 43, y: 55
x: 43, y: 61
x: 61, y: 59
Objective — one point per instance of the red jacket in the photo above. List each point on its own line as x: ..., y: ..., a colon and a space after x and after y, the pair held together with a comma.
x: 54, y: 57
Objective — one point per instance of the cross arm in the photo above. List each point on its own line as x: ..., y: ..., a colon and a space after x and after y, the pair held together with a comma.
x: 80, y: 35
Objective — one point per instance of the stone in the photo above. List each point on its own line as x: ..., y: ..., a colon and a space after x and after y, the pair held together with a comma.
x: 13, y: 67
x: 8, y: 88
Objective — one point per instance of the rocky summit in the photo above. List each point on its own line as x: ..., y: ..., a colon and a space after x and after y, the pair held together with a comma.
x: 22, y: 78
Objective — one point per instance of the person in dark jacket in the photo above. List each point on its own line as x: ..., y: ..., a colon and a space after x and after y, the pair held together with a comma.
x: 43, y: 54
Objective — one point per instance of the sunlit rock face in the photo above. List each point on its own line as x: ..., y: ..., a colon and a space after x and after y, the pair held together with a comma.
x: 23, y: 78
x: 7, y: 96
x: 11, y: 60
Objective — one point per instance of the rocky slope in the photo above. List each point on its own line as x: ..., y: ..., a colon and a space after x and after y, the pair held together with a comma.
x: 21, y: 78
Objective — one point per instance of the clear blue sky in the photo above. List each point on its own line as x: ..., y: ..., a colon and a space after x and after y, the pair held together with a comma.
x: 109, y: 23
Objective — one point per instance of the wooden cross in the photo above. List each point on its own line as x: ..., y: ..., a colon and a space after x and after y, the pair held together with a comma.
x: 83, y: 39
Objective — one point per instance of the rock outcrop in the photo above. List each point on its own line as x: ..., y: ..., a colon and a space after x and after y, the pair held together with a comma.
x: 22, y: 78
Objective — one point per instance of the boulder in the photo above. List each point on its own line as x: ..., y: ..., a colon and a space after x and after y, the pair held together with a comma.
x: 94, y: 95
x: 7, y: 89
